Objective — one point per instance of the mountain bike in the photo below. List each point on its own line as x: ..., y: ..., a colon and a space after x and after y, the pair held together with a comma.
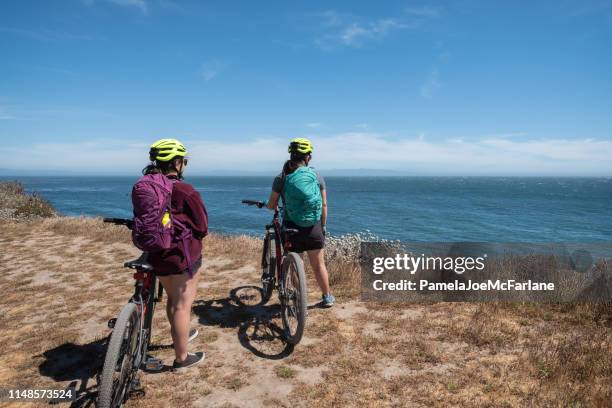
x: 283, y: 270
x: 127, y: 349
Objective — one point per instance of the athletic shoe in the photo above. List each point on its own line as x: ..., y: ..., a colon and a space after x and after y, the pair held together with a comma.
x: 191, y: 360
x: 327, y: 300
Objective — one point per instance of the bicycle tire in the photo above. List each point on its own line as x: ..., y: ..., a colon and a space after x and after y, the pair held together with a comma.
x: 128, y: 319
x: 268, y: 269
x: 301, y: 297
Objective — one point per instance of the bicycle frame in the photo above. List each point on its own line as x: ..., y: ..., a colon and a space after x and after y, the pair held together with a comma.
x: 279, y: 241
x: 127, y: 350
x: 293, y: 299
x: 144, y: 298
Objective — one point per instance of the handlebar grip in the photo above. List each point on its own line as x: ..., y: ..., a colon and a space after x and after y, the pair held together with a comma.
x: 253, y: 202
x: 119, y: 221
x: 115, y: 220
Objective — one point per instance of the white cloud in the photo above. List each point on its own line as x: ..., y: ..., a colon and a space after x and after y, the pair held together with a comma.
x: 92, y: 156
x: 461, y: 156
x: 558, y: 150
x: 314, y: 125
x: 341, y: 29
x: 507, y: 135
x: 211, y: 68
x: 418, y: 155
x: 338, y: 29
x: 431, y: 85
x: 354, y: 34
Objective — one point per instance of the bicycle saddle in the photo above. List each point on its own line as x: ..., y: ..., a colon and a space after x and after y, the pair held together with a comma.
x: 139, y: 264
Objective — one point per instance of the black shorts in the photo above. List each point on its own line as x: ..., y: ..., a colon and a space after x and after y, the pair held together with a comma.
x: 307, y: 238
x: 195, y: 267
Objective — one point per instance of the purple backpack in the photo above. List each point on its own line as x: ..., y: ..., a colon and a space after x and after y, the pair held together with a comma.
x: 151, y: 198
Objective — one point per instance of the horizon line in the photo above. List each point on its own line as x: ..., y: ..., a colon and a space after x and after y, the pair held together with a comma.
x: 272, y: 174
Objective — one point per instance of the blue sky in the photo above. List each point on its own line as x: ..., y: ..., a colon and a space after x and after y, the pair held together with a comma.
x: 463, y: 87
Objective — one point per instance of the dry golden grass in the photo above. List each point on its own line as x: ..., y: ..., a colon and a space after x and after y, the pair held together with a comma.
x: 62, y: 278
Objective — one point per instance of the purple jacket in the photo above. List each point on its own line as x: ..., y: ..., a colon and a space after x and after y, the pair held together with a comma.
x: 187, y: 206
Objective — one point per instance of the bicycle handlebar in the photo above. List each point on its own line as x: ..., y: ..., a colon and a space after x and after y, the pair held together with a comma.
x: 259, y: 204
x: 119, y: 221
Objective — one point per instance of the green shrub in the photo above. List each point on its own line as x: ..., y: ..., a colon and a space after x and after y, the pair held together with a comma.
x: 16, y: 203
x: 35, y: 206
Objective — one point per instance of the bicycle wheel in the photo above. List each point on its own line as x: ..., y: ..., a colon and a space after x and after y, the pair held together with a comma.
x: 119, y: 370
x: 268, y: 265
x: 293, y: 297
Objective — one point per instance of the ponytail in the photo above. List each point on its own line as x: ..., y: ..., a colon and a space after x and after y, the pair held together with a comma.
x: 150, y: 169
x: 156, y: 167
x: 297, y: 160
x: 290, y: 166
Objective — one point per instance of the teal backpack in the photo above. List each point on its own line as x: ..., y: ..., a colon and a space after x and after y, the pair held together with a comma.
x: 302, y: 196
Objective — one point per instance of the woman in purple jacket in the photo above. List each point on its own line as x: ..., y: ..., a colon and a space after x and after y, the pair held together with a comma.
x: 168, y: 156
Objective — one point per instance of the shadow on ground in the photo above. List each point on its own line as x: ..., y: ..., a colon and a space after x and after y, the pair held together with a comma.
x: 244, y: 309
x: 78, y: 364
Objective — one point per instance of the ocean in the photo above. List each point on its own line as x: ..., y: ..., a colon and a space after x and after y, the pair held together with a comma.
x: 433, y: 209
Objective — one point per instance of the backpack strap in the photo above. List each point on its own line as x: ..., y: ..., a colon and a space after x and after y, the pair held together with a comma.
x: 283, y: 178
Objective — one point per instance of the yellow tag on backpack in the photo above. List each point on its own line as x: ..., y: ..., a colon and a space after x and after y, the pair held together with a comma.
x: 166, y: 218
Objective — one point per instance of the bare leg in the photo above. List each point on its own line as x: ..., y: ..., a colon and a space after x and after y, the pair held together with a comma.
x: 181, y: 291
x: 317, y: 260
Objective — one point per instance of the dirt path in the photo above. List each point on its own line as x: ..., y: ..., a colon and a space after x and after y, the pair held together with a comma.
x: 61, y: 282
x: 78, y: 282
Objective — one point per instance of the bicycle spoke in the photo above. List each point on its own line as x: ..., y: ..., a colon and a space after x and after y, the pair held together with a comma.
x: 124, y: 369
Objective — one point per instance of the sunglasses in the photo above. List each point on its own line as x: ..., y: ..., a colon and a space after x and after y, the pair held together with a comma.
x: 185, y: 161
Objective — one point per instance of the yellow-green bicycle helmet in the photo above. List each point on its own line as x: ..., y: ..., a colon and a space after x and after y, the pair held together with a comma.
x: 300, y: 145
x: 166, y: 150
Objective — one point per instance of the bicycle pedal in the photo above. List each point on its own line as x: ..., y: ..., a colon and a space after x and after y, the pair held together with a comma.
x: 153, y: 364
x: 111, y: 323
